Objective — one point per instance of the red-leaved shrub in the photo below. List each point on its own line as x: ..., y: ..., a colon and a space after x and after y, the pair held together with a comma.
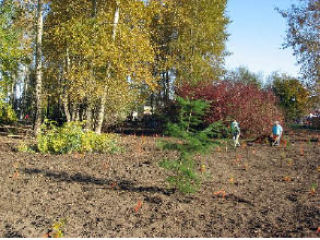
x: 255, y: 109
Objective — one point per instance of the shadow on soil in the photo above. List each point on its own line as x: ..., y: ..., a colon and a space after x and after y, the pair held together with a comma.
x: 123, y: 185
x: 11, y: 233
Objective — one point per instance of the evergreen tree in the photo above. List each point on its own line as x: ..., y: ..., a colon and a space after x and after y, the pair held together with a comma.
x: 191, y: 137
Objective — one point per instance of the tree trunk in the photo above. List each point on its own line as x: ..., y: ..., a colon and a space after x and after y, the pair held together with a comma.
x: 65, y: 100
x: 65, y: 104
x: 94, y: 8
x: 89, y: 108
x: 102, y: 107
x: 167, y: 89
x: 13, y: 91
x: 38, y: 61
x: 76, y: 112
x: 25, y: 92
x: 88, y: 125
x: 48, y: 107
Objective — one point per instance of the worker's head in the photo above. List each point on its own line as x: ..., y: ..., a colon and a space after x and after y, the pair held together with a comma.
x: 276, y: 122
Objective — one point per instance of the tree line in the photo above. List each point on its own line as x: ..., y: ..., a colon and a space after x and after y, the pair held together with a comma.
x: 95, y: 59
x: 98, y: 60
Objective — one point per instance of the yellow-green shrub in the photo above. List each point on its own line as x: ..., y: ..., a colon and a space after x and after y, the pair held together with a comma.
x: 72, y: 138
x: 7, y: 114
x: 102, y: 143
x: 23, y: 147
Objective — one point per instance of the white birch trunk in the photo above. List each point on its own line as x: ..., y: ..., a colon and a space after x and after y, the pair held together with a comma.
x: 102, y: 107
x: 65, y: 104
x: 38, y: 63
x: 65, y: 100
x: 89, y: 114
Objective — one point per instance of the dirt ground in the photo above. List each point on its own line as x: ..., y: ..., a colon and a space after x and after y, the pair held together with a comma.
x: 257, y: 191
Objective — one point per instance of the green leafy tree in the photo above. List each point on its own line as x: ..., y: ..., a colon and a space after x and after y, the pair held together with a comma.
x: 191, y: 137
x: 7, y: 114
x: 293, y: 96
x: 94, y: 59
x: 303, y: 36
x: 104, y: 53
x: 243, y: 75
x: 11, y: 53
x: 189, y: 38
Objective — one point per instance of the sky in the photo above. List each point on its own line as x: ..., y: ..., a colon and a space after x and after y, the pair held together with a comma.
x: 257, y: 33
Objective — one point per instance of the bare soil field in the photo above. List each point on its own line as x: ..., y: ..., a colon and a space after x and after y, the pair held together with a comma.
x: 256, y: 191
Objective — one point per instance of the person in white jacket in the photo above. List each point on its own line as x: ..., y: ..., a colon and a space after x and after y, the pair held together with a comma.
x: 235, y: 130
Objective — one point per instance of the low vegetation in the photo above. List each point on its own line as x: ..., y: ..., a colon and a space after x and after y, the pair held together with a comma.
x: 71, y: 138
x: 7, y: 114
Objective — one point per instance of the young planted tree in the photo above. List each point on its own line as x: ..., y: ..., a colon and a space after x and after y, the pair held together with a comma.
x: 191, y: 137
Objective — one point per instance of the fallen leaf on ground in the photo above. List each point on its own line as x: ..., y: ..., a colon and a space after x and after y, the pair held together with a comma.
x: 138, y: 206
x: 221, y: 192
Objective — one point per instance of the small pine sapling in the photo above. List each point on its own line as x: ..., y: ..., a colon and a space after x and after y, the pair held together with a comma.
x: 191, y: 137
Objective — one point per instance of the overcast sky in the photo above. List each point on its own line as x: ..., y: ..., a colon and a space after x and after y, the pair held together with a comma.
x: 257, y: 34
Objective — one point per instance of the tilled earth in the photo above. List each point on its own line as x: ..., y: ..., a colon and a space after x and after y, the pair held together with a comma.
x: 257, y: 191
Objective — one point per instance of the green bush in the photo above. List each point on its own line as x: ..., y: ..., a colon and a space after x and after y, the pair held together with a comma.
x: 7, y: 114
x: 92, y: 142
x: 72, y: 138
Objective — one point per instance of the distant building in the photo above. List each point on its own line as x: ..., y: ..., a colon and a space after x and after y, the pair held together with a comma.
x: 147, y: 110
x: 135, y: 116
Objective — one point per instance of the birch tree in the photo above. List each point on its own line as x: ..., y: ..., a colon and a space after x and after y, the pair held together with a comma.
x: 189, y: 37
x: 38, y: 66
x: 108, y: 53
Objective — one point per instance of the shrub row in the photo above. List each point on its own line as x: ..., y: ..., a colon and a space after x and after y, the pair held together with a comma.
x: 254, y: 108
